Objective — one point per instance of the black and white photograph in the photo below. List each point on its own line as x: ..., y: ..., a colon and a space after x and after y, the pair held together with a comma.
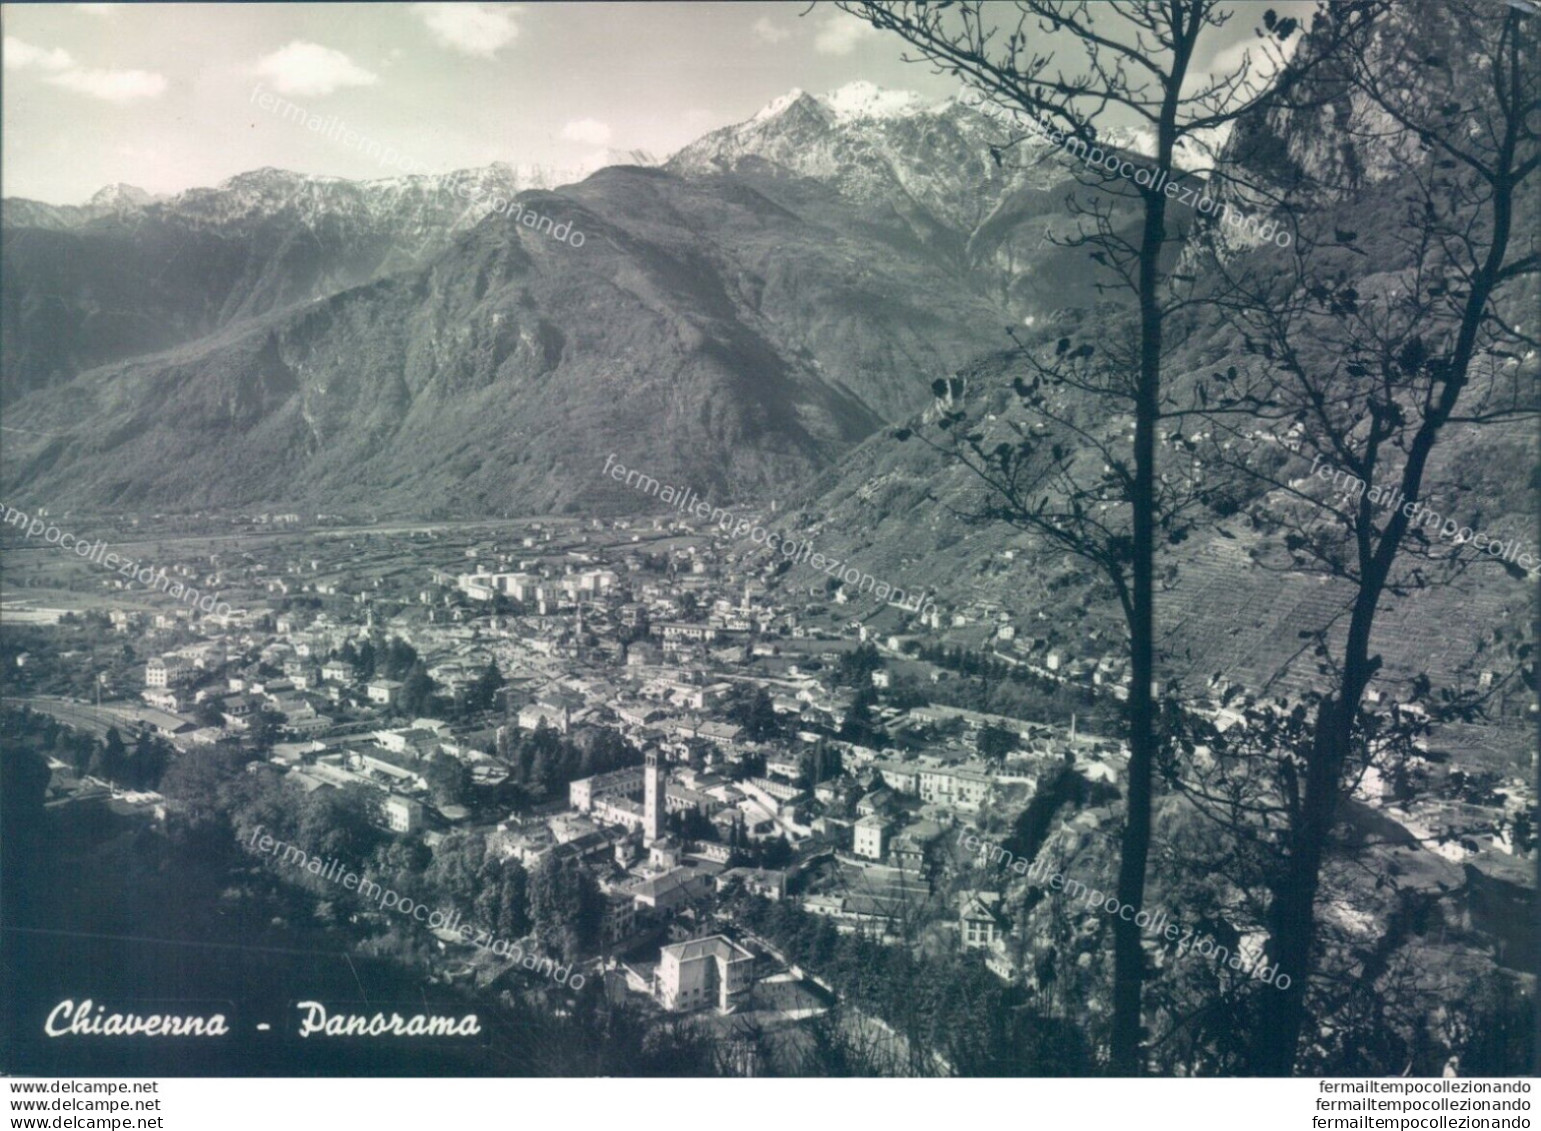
x: 771, y: 541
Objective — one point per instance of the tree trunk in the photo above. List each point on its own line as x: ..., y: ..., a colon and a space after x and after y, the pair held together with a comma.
x: 1293, y: 911
x: 1128, y: 954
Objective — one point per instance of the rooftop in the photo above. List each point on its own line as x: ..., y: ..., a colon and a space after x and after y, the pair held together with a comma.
x: 716, y: 946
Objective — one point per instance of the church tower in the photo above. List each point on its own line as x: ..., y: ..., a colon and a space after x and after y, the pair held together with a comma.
x: 653, y: 806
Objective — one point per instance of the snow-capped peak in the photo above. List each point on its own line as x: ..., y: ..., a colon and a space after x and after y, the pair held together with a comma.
x: 855, y: 101
x: 120, y: 196
x: 778, y: 105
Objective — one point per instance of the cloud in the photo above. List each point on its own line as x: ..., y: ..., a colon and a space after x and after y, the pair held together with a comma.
x: 62, y: 70
x: 599, y: 159
x: 472, y: 29
x: 770, y: 31
x: 310, y: 69
x: 841, y: 34
x: 21, y: 56
x: 587, y: 130
x: 1263, y: 63
x: 111, y: 86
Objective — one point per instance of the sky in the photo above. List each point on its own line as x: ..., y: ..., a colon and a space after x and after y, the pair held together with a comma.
x: 166, y: 96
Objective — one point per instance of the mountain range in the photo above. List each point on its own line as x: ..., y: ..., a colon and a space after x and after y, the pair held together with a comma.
x: 736, y: 318
x: 897, y: 509
x: 744, y: 318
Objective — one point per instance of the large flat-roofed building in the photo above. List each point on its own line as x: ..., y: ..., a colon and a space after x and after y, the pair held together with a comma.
x: 162, y: 722
x: 590, y: 581
x: 713, y: 971
x: 485, y: 586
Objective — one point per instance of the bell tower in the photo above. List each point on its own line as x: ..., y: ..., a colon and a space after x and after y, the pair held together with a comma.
x: 653, y: 805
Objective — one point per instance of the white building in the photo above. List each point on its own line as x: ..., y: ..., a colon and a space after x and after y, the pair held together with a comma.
x: 402, y: 814
x: 164, y: 672
x: 712, y: 971
x: 163, y: 698
x: 871, y: 835
x: 956, y: 786
x: 980, y: 923
x: 384, y: 691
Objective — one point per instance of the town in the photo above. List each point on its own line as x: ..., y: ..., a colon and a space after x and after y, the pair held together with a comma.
x: 653, y: 746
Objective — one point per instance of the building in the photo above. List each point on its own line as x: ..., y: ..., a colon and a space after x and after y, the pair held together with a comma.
x: 314, y: 724
x: 771, y: 883
x: 485, y: 586
x: 557, y: 715
x: 772, y: 794
x: 871, y: 836
x: 585, y: 793
x: 880, y: 801
x: 679, y: 799
x: 980, y: 923
x: 161, y: 722
x: 899, y: 777
x: 384, y: 691
x: 789, y: 768
x: 617, y: 810
x: 955, y: 786
x: 415, y: 742
x: 677, y: 633
x: 238, y: 711
x: 589, y: 581
x: 729, y: 823
x: 163, y: 698
x: 164, y: 673
x: 618, y: 918
x: 914, y: 846
x: 335, y: 671
x: 963, y: 786
x: 673, y: 887
x: 654, y: 803
x: 713, y: 971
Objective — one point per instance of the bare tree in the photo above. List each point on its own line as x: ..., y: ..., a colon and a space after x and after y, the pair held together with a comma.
x: 1362, y: 365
